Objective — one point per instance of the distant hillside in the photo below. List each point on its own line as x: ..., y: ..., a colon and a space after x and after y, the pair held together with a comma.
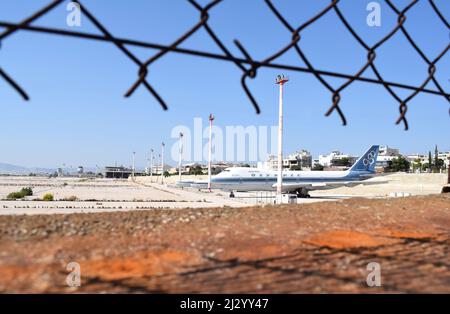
x: 14, y: 169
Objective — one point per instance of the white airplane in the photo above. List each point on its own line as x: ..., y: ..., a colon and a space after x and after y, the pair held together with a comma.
x: 242, y: 179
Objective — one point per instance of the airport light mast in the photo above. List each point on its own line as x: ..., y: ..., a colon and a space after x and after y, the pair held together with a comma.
x: 181, y: 155
x: 211, y: 119
x: 162, y: 162
x: 151, y: 165
x: 132, y: 167
x: 280, y: 80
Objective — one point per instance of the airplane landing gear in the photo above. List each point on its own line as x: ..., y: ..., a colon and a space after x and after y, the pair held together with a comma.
x: 302, y: 193
x: 231, y: 194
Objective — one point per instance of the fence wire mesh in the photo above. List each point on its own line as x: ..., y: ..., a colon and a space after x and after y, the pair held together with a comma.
x: 248, y: 65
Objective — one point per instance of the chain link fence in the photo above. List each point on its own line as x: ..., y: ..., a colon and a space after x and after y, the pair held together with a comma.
x: 248, y: 65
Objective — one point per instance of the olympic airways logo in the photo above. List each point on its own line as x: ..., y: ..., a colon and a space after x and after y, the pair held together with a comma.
x: 370, y: 159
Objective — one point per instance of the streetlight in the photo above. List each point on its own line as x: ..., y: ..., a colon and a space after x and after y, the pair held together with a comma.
x: 151, y: 165
x: 211, y: 119
x: 181, y: 155
x: 162, y: 162
x: 280, y: 80
x: 133, y: 169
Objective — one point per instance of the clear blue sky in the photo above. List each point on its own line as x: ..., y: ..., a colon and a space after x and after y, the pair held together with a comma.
x: 78, y: 115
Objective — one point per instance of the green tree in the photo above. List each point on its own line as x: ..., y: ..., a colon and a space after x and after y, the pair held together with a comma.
x: 27, y: 191
x: 166, y: 174
x: 399, y: 164
x: 197, y: 170
x: 317, y: 167
x: 417, y: 164
x: 439, y: 164
x: 295, y: 168
x: 342, y: 162
x: 436, y: 157
x: 430, y: 162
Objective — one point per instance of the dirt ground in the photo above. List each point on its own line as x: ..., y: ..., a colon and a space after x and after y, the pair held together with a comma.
x: 307, y: 248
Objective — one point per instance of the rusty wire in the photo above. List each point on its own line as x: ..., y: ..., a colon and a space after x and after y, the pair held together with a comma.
x: 248, y: 66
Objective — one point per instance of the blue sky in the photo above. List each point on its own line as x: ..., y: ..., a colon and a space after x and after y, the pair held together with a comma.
x: 78, y: 115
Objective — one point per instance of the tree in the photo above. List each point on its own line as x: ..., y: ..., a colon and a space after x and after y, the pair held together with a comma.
x: 295, y: 168
x: 343, y: 162
x: 166, y: 174
x: 439, y: 164
x: 436, y: 158
x: 197, y: 170
x: 317, y: 167
x: 27, y: 191
x: 430, y: 162
x: 399, y: 164
x: 417, y: 164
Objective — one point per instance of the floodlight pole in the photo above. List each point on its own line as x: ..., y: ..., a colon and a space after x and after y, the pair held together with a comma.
x: 281, y: 80
x: 211, y: 119
x: 181, y: 155
x: 151, y: 165
x: 162, y: 162
x: 132, y: 168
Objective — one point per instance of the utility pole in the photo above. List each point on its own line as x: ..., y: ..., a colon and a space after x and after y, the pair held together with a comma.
x: 281, y: 80
x: 151, y: 165
x: 132, y: 167
x: 181, y: 155
x: 162, y: 162
x: 211, y: 119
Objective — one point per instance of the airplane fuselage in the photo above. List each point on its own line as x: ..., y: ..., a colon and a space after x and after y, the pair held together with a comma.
x: 253, y: 179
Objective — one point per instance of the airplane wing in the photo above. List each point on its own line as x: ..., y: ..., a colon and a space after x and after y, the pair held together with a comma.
x: 310, y: 186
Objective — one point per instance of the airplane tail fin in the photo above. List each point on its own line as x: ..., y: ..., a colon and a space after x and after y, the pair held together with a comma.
x: 367, y: 161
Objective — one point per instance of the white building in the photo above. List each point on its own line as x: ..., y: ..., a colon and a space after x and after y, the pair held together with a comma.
x: 445, y: 156
x: 156, y: 169
x: 417, y: 158
x: 300, y: 160
x: 388, y: 151
x: 335, y: 156
x: 424, y: 159
x: 385, y: 155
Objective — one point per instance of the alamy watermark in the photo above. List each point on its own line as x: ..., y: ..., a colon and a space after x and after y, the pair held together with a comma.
x: 232, y: 143
x: 73, y: 279
x: 374, y: 17
x: 73, y: 19
x: 374, y: 277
